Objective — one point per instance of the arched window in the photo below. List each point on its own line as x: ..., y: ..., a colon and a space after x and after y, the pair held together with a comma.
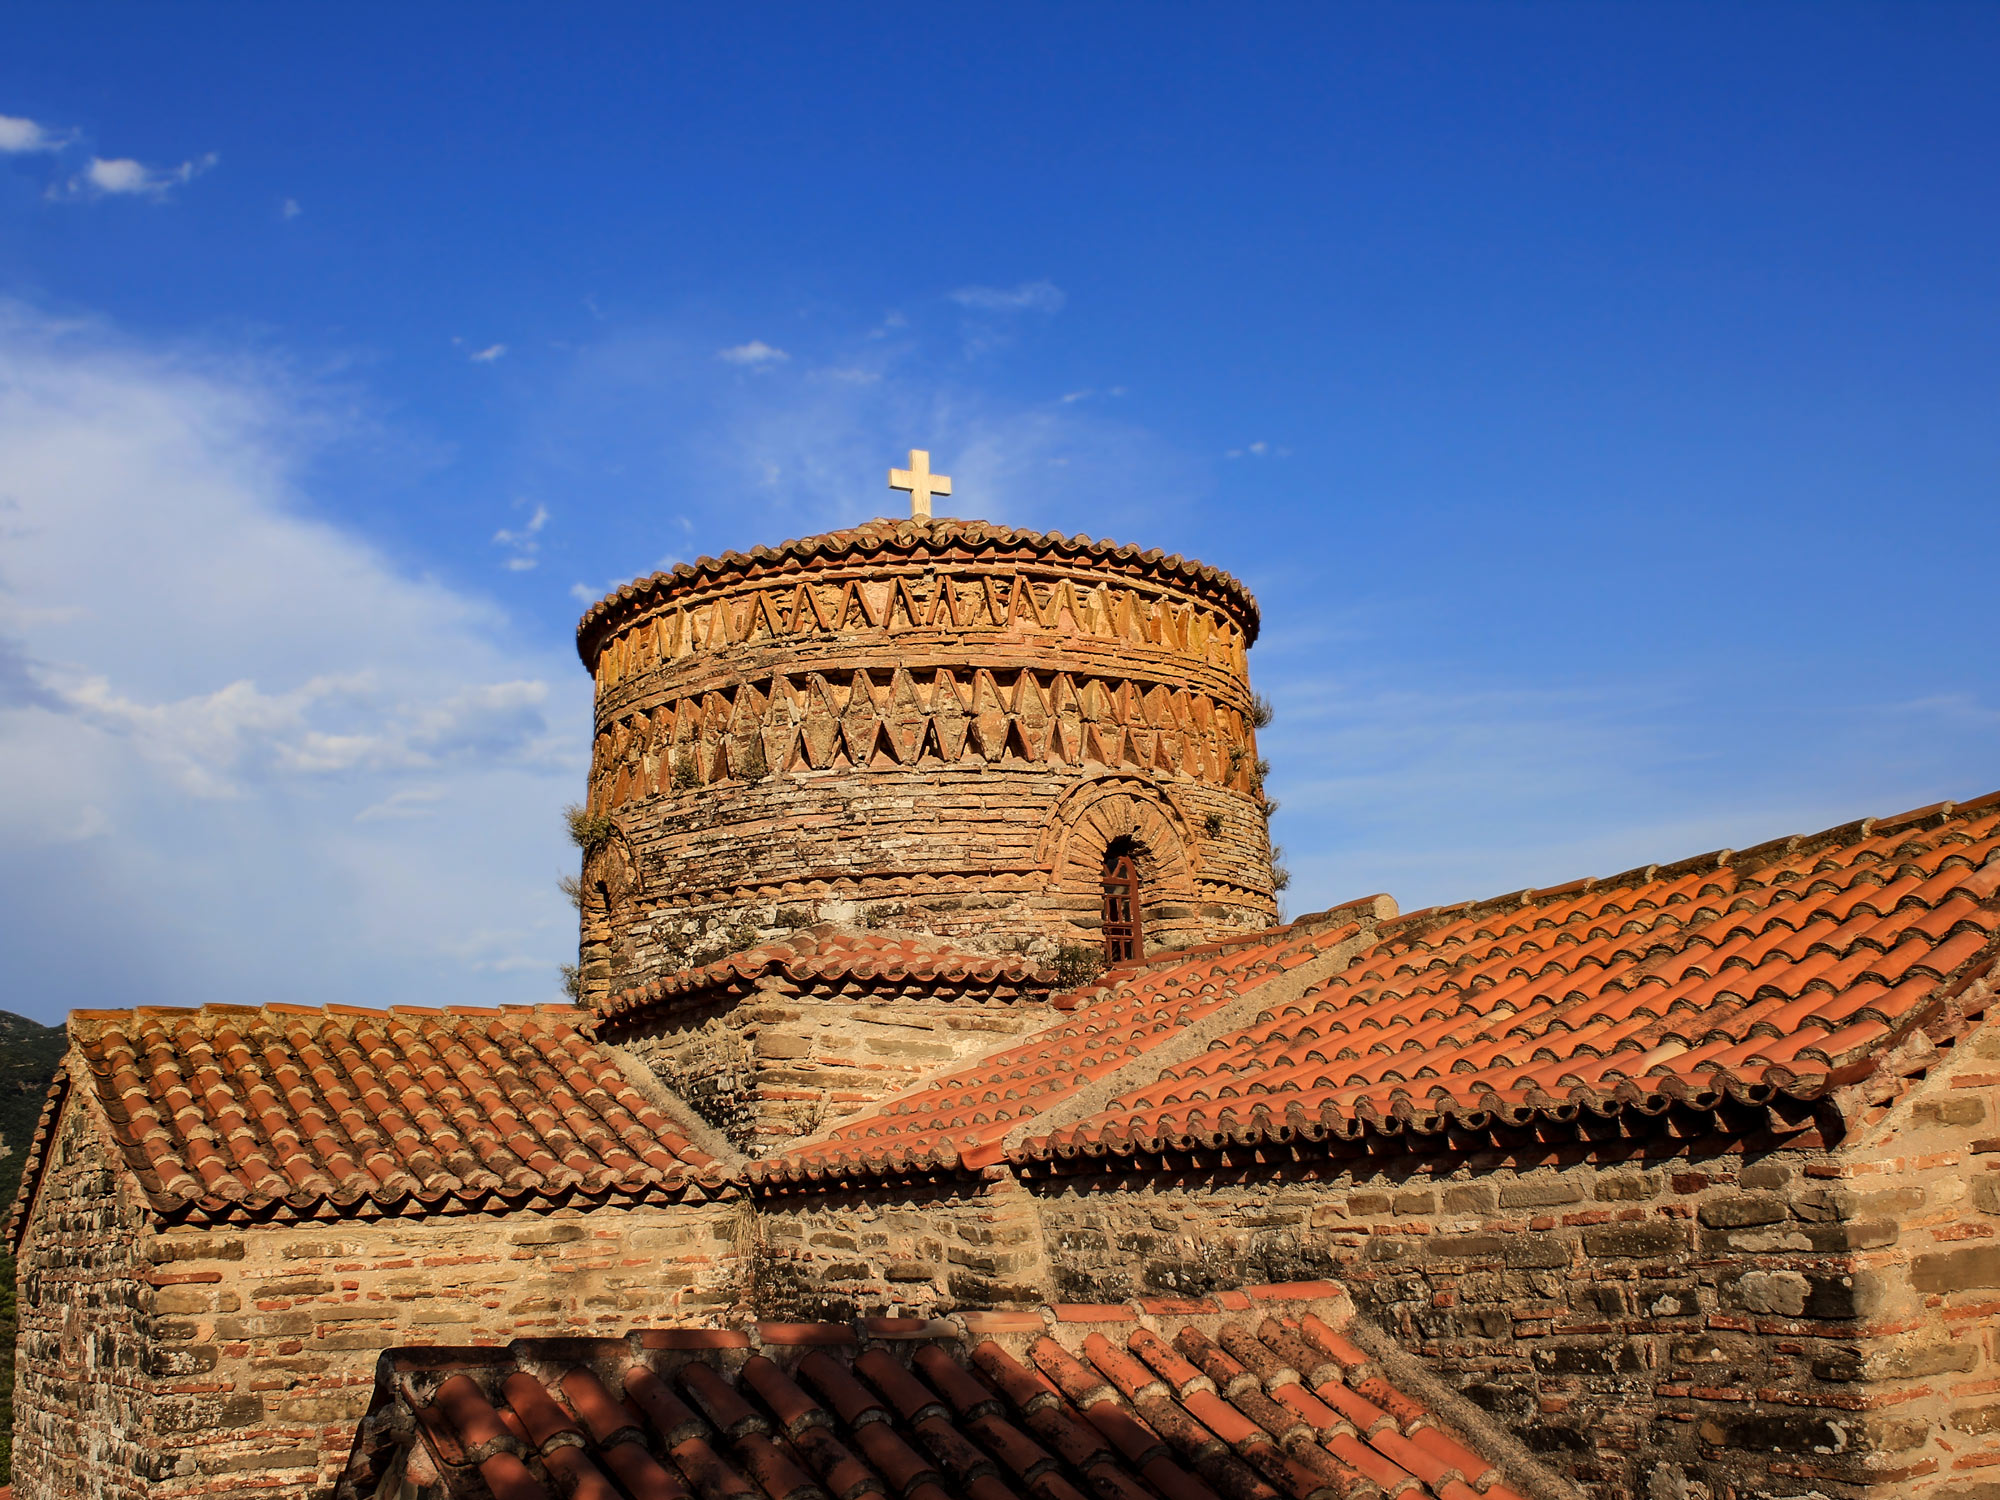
x: 1123, y: 938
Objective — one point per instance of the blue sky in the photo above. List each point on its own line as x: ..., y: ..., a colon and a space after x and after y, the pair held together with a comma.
x: 1601, y: 401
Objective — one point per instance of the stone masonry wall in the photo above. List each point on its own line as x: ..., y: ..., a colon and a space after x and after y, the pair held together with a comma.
x: 1718, y: 1319
x: 967, y: 1245
x: 929, y: 737
x: 260, y: 1342
x: 1919, y: 1193
x: 83, y: 1361
x: 773, y: 1068
x: 1710, y: 1325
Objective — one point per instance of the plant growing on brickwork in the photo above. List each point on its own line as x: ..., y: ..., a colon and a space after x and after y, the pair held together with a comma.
x: 1280, y: 876
x: 572, y: 980
x: 589, y: 831
x: 878, y: 917
x: 1261, y: 712
x: 572, y: 887
x: 686, y: 777
x: 805, y: 1116
x: 1077, y: 964
x: 1212, y: 825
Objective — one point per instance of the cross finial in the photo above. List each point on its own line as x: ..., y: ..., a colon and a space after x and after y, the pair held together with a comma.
x: 920, y: 482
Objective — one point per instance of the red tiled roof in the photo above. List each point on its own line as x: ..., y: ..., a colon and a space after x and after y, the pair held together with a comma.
x: 1254, y: 1395
x: 230, y: 1111
x: 836, y: 963
x: 1783, y: 970
x: 960, y: 1120
x: 1786, y: 970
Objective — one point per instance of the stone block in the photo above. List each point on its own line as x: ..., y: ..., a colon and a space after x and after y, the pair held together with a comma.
x: 1635, y: 1240
x: 1471, y: 1198
x: 1977, y: 1419
x: 1768, y: 1173
x: 1626, y: 1187
x: 1742, y: 1209
x: 1777, y: 1293
x: 1540, y: 1192
x: 548, y: 1232
x: 1957, y: 1110
x: 1957, y: 1270
x: 1986, y: 1192
x: 1613, y: 1356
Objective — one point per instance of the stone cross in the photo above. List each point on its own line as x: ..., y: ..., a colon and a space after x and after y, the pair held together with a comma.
x: 920, y: 482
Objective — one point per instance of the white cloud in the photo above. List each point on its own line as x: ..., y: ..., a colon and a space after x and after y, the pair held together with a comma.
x: 19, y: 135
x: 488, y: 355
x: 1029, y: 296
x: 523, y: 544
x: 289, y: 209
x: 754, y: 353
x: 121, y: 176
x: 233, y: 714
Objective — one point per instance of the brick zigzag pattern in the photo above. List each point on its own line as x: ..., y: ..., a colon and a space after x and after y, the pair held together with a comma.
x: 1278, y: 1404
x: 889, y: 542
x: 777, y: 725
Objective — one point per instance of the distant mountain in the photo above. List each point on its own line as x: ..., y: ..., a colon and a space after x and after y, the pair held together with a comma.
x: 29, y: 1052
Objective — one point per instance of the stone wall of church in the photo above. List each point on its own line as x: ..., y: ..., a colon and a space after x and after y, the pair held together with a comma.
x: 836, y: 1256
x: 1770, y: 1325
x: 1789, y: 1322
x: 84, y: 1360
x: 772, y: 1068
x: 925, y: 728
x: 221, y: 1362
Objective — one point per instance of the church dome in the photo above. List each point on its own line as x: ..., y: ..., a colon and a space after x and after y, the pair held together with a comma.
x: 933, y: 725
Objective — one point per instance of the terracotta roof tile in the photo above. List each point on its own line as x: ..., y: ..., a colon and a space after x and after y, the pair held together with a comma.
x: 1246, y: 1395
x: 963, y: 1118
x: 1779, y: 969
x: 281, y: 1109
x: 834, y: 962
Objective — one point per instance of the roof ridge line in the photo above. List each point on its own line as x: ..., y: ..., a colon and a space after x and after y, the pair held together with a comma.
x: 1193, y: 1040
x: 1853, y: 830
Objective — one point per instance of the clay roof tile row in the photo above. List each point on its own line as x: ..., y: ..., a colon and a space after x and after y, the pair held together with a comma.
x: 286, y: 1109
x: 1783, y: 971
x: 1259, y: 1394
x: 866, y: 962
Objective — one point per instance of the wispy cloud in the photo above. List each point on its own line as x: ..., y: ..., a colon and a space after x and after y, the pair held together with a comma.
x: 1259, y: 449
x: 488, y: 355
x: 289, y: 209
x: 1029, y: 296
x: 231, y: 713
x: 754, y: 353
x: 123, y: 177
x: 22, y: 135
x: 523, y: 543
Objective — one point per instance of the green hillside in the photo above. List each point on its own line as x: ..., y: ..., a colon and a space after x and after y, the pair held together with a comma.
x: 29, y: 1053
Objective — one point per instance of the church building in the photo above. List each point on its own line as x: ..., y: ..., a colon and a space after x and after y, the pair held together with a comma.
x: 945, y: 1113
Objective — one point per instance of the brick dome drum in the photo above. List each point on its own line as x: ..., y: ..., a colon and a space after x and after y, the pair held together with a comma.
x: 937, y: 726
